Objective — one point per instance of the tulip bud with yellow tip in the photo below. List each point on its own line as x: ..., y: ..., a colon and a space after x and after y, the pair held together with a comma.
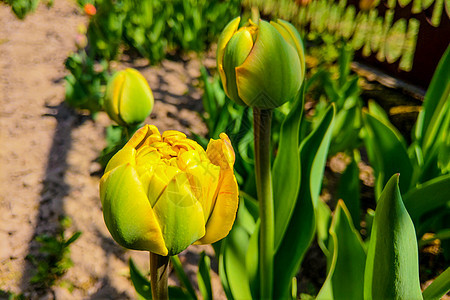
x: 161, y: 193
x: 261, y: 65
x: 128, y: 98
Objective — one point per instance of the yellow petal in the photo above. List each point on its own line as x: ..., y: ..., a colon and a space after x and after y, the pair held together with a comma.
x: 146, y: 135
x: 223, y: 215
x: 220, y: 152
x: 125, y: 156
x: 127, y: 212
x: 224, y: 38
x: 112, y: 96
x: 180, y: 215
x: 161, y: 177
x: 204, y: 178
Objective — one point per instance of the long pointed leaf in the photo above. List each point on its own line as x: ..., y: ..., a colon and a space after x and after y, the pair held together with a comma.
x: 345, y: 278
x: 392, y: 265
x: 349, y: 191
x: 432, y: 195
x: 390, y: 153
x: 204, y: 277
x: 184, y: 279
x: 313, y: 152
x: 437, y: 94
x: 439, y: 287
x: 286, y: 170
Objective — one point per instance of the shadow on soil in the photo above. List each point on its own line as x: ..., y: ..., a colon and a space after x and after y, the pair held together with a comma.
x: 54, y: 189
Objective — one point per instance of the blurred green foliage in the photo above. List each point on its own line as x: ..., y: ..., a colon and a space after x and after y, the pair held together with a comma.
x: 23, y: 7
x: 86, y: 82
x: 155, y: 28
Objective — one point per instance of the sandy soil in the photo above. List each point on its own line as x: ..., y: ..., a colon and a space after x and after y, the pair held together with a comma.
x: 48, y: 152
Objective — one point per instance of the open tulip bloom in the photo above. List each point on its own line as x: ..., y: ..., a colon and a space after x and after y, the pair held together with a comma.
x: 161, y: 193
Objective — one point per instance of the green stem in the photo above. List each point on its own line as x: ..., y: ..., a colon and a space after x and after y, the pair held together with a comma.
x: 159, y: 274
x: 262, y: 122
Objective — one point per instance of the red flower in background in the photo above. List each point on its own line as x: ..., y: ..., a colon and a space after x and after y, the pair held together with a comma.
x: 90, y: 9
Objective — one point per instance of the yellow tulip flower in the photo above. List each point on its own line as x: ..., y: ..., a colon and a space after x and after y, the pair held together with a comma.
x: 161, y: 193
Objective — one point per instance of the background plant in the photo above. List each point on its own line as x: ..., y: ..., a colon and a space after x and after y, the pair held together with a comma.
x: 53, y: 259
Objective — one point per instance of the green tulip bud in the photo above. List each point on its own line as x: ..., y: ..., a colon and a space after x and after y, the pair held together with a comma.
x: 128, y: 98
x: 261, y: 65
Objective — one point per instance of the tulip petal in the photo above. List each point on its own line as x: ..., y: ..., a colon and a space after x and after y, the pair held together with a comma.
x: 271, y: 57
x: 125, y: 156
x: 136, y: 101
x: 224, y: 38
x: 295, y: 40
x: 220, y: 152
x: 127, y: 212
x: 224, y: 212
x: 113, y: 92
x: 204, y: 178
x: 180, y: 215
x: 235, y: 54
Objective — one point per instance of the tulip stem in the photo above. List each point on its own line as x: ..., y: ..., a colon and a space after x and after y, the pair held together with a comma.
x: 159, y: 274
x: 262, y: 119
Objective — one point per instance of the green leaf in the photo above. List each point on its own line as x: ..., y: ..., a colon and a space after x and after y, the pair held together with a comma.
x: 232, y: 268
x: 378, y: 112
x: 348, y: 191
x: 72, y: 239
x: 437, y: 95
x: 439, y: 287
x: 392, y: 265
x: 345, y: 279
x: 346, y: 129
x: 141, y: 284
x: 323, y: 219
x: 313, y: 153
x: 286, y: 170
x: 389, y: 150
x: 344, y: 60
x: 427, y: 197
x: 184, y: 279
x: 204, y: 277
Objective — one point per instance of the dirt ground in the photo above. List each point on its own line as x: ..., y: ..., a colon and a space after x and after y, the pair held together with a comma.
x: 47, y: 158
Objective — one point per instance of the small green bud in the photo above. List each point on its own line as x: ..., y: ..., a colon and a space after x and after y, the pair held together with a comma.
x: 128, y: 98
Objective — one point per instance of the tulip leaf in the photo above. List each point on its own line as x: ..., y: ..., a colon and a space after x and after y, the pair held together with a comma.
x: 204, y: 277
x: 427, y: 197
x: 323, y: 218
x: 345, y: 277
x: 437, y: 95
x: 286, y: 170
x: 313, y: 153
x: 392, y: 265
x: 181, y: 275
x: 348, y: 191
x: 378, y: 112
x: 389, y: 155
x: 439, y: 287
x: 233, y: 271
x: 141, y: 284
